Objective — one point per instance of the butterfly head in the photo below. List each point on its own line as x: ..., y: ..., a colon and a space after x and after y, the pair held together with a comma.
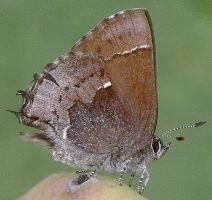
x: 158, y: 148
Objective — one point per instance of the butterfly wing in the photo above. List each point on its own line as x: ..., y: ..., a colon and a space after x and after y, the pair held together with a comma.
x: 70, y: 103
x: 125, y: 40
x: 70, y: 99
x: 123, y: 115
x: 120, y: 32
x: 133, y: 77
x: 69, y: 79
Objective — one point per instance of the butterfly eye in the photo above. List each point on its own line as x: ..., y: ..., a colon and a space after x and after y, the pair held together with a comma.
x: 156, y: 145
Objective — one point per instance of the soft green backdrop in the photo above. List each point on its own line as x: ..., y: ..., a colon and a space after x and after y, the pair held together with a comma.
x: 34, y: 32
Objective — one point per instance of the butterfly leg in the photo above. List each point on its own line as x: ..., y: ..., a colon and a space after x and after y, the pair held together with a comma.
x: 144, y: 178
x: 166, y: 147
x: 82, y: 171
x: 162, y: 150
x: 131, y: 179
x: 120, y: 178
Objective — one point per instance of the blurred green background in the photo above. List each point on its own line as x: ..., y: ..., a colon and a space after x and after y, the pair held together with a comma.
x: 33, y: 33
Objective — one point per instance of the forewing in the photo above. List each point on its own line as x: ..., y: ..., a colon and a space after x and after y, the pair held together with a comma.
x: 133, y: 77
x: 126, y: 41
x: 120, y: 32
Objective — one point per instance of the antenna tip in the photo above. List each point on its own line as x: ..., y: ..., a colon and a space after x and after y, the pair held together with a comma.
x: 199, y: 123
x: 181, y: 138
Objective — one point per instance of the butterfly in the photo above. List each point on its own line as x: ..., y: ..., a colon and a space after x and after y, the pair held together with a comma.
x: 96, y: 107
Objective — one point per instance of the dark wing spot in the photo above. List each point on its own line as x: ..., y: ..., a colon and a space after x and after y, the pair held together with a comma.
x: 34, y: 118
x: 35, y: 76
x: 120, y: 37
x: 83, y: 37
x: 50, y: 78
x: 77, y: 85
x: 66, y: 88
x: 55, y: 113
x: 60, y: 98
x: 109, y: 41
x: 98, y: 50
x: 83, y: 80
x: 102, y: 73
x: 50, y: 66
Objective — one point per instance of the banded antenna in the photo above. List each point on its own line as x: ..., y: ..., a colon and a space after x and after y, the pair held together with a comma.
x: 170, y: 132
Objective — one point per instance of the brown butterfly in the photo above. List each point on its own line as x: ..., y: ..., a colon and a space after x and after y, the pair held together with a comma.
x: 96, y: 106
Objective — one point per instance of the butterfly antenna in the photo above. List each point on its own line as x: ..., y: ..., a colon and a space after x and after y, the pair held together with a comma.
x: 170, y: 132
